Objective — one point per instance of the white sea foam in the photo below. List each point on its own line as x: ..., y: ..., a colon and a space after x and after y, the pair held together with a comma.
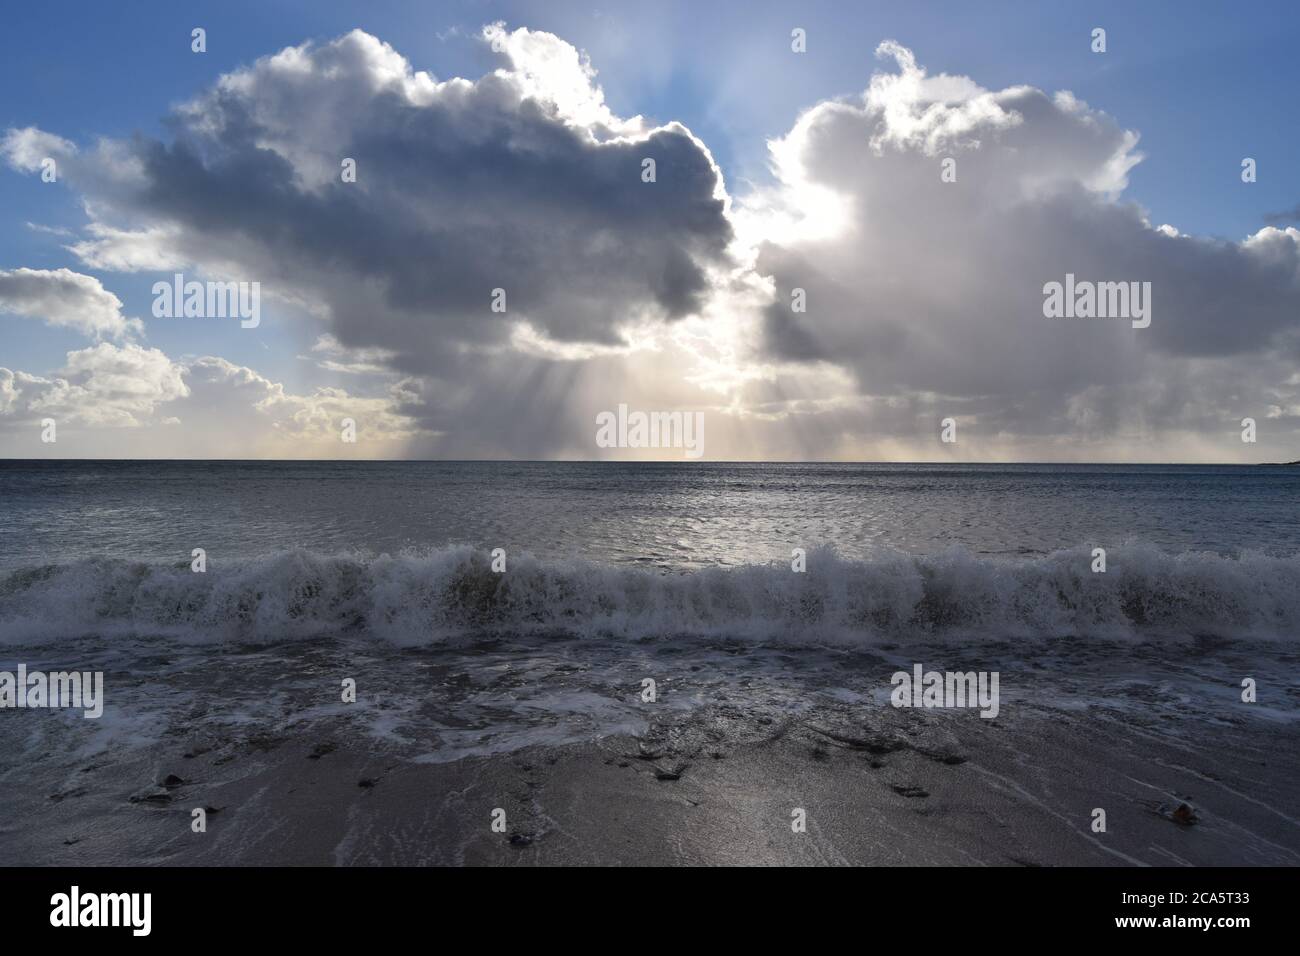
x: 452, y: 593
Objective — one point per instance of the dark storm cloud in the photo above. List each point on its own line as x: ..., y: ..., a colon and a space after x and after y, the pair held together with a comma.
x: 461, y: 188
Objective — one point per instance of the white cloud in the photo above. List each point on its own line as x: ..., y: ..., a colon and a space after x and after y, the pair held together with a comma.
x: 545, y: 67
x: 105, y: 385
x: 299, y: 423
x: 111, y: 400
x: 26, y: 149
x: 65, y: 299
x: 125, y: 250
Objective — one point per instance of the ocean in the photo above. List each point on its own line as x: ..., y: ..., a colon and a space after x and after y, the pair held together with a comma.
x: 403, y: 550
x: 721, y: 628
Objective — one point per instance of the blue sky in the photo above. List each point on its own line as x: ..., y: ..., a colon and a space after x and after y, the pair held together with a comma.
x: 1204, y: 84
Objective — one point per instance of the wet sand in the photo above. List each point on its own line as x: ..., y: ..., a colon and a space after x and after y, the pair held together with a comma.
x: 711, y: 776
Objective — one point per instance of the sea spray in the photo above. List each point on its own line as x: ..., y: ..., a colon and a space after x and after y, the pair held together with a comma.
x: 451, y: 593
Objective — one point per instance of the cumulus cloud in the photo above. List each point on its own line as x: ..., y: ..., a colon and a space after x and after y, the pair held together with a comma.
x: 522, y: 180
x: 924, y: 297
x: 110, y: 400
x: 930, y: 293
x: 102, y: 386
x: 297, y: 424
x: 66, y: 299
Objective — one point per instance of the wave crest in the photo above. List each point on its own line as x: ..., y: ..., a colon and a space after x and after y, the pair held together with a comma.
x: 452, y: 593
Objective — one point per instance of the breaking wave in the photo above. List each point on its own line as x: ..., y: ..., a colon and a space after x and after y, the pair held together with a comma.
x: 452, y: 594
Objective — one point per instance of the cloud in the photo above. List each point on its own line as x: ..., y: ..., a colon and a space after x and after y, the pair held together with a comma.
x: 225, y: 396
x: 924, y: 297
x: 522, y: 180
x: 1286, y: 215
x: 26, y: 149
x: 930, y: 293
x: 65, y: 299
x: 333, y: 357
x: 105, y: 385
x: 111, y: 400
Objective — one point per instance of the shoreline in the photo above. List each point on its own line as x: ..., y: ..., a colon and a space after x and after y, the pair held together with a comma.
x: 711, y: 775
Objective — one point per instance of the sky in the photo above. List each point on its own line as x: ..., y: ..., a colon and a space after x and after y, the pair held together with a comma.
x: 844, y: 249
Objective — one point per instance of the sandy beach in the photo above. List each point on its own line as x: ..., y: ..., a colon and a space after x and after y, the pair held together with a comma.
x: 710, y: 773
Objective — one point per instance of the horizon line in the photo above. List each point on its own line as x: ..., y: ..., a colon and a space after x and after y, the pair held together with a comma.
x: 655, y: 461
